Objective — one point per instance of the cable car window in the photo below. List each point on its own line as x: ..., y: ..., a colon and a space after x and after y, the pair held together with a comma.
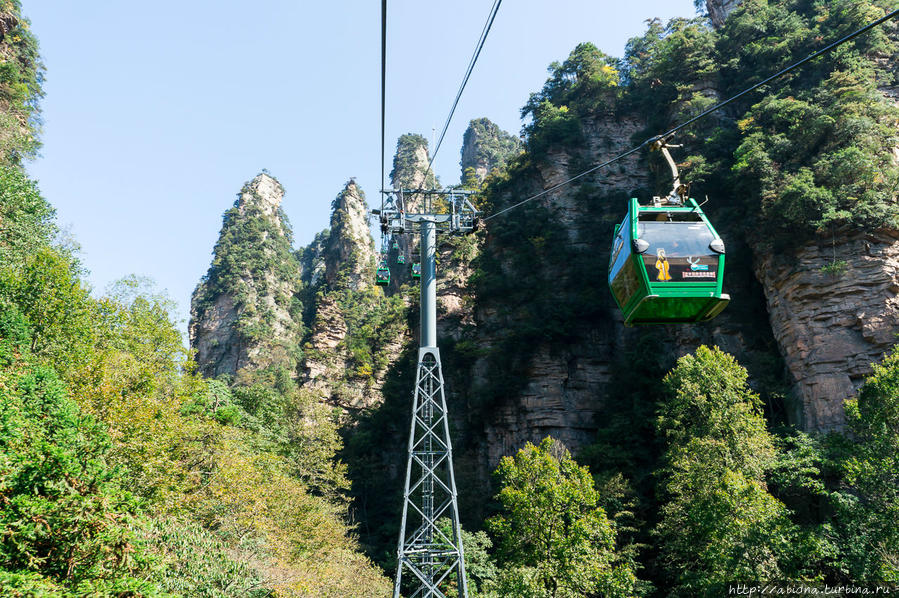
x: 678, y: 252
x: 677, y: 239
x: 627, y: 283
x: 619, y: 253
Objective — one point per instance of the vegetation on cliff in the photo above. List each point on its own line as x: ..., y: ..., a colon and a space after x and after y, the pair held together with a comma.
x: 486, y: 146
x: 699, y: 507
x: 255, y: 267
x: 407, y: 171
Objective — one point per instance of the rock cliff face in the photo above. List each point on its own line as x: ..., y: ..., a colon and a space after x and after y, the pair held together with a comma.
x: 566, y: 389
x: 485, y: 146
x: 312, y: 259
x: 213, y: 337
x: 834, y: 310
x: 244, y: 314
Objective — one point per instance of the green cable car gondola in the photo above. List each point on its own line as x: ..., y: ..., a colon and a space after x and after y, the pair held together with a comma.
x: 400, y: 259
x: 396, y: 244
x: 416, y: 270
x: 667, y: 264
x: 382, y: 276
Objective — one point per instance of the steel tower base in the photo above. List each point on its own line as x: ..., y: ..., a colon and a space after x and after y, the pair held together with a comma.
x: 431, y: 555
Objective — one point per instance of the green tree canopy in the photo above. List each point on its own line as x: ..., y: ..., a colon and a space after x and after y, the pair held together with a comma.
x: 719, y: 523
x: 554, y: 539
x: 68, y: 524
x: 872, y: 507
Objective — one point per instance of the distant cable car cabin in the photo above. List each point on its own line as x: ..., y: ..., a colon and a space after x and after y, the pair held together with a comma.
x: 667, y: 264
x: 396, y: 244
x: 416, y: 270
x: 400, y: 258
x: 382, y: 276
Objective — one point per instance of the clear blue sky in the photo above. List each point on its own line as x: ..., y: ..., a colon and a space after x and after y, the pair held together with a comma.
x: 156, y: 113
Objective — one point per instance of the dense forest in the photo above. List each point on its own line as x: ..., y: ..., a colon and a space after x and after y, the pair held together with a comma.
x: 129, y: 466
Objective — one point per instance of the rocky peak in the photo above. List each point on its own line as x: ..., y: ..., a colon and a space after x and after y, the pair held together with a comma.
x: 350, y: 249
x: 410, y: 166
x: 245, y: 315
x: 485, y: 146
x: 719, y: 9
x: 339, y: 267
x: 410, y: 171
x: 264, y: 193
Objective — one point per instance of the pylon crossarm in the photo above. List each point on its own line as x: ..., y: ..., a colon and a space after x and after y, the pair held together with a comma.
x: 416, y: 540
x: 429, y: 403
x: 432, y: 590
x: 437, y: 515
x: 448, y: 568
x: 429, y: 432
x: 434, y: 593
x: 432, y: 585
x: 438, y: 480
x: 427, y: 522
x: 423, y: 419
x: 429, y: 469
x: 428, y: 428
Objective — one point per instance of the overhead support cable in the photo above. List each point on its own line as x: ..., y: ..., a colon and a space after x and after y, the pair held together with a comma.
x: 665, y: 136
x: 383, y: 83
x: 474, y: 59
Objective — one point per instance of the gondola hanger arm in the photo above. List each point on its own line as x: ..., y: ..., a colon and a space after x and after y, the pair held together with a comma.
x: 679, y: 191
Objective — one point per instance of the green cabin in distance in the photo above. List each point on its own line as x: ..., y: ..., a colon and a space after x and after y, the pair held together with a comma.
x: 382, y: 275
x: 667, y: 264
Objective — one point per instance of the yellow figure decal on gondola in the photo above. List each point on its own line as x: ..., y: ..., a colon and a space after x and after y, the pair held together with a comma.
x: 662, y: 266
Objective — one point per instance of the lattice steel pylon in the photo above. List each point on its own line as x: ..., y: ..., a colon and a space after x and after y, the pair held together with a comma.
x: 429, y: 553
x: 434, y: 557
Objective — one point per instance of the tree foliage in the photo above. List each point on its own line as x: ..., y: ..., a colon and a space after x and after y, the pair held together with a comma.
x: 68, y: 523
x: 123, y: 473
x: 719, y: 522
x: 21, y: 87
x: 553, y: 538
x: 493, y: 147
x: 872, y: 472
x: 587, y: 82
